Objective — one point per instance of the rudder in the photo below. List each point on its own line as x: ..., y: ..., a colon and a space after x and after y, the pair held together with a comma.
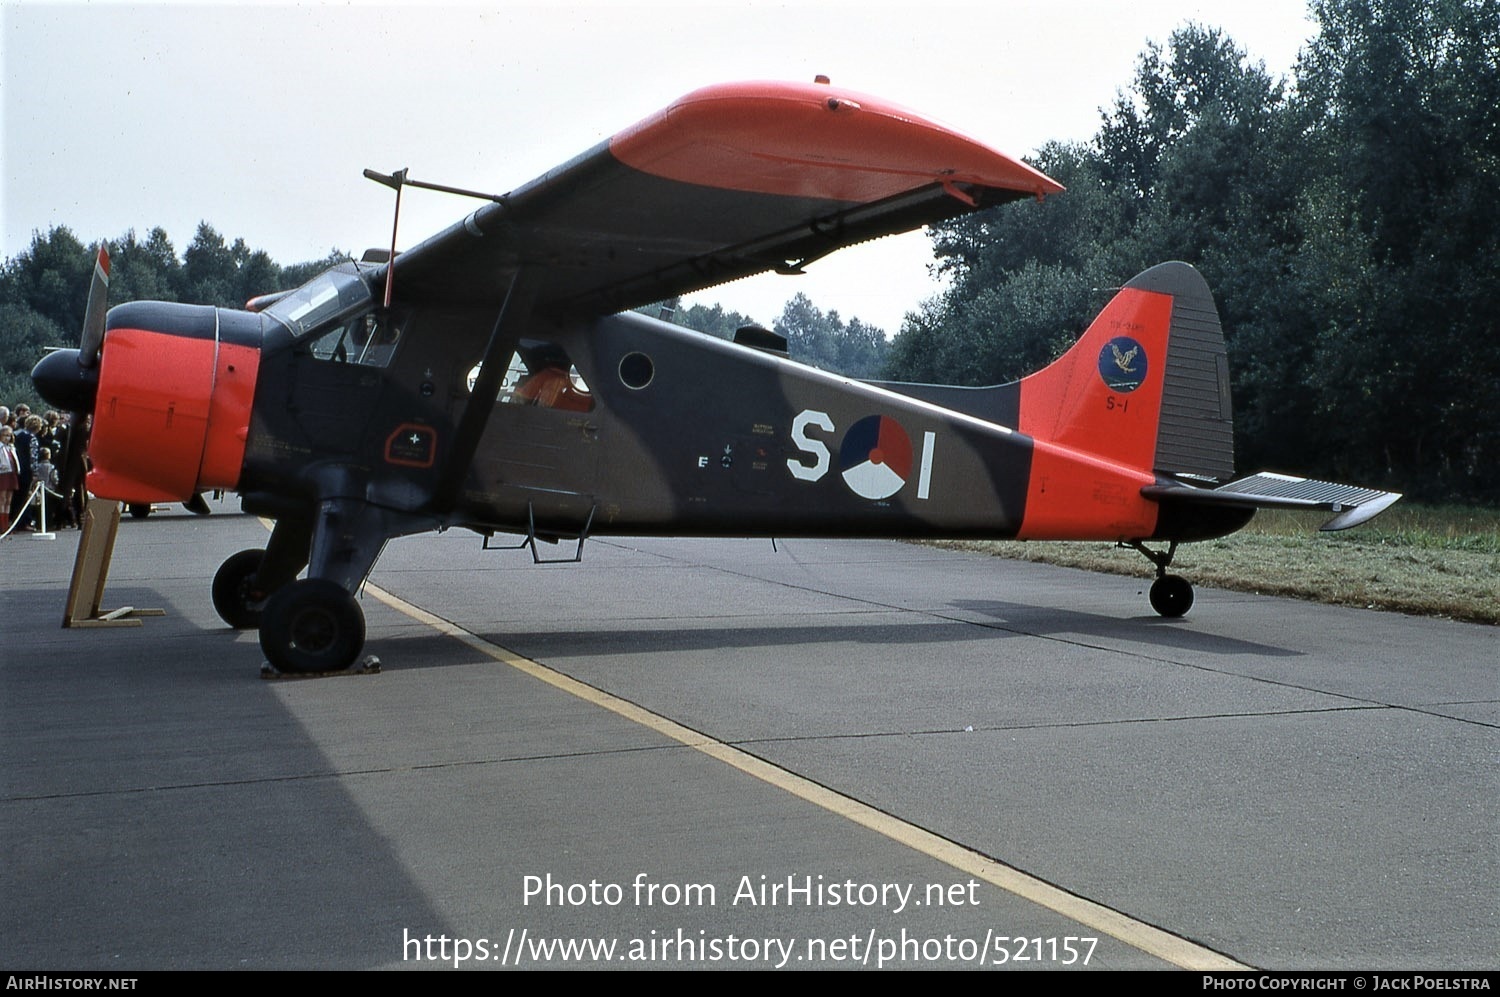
x: 1196, y: 434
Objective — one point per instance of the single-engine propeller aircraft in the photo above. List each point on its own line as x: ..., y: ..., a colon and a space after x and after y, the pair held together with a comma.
x: 489, y: 378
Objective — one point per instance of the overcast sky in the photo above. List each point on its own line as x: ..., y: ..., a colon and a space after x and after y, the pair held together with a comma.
x: 259, y: 118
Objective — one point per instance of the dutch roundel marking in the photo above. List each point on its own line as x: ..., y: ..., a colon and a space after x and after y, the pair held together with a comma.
x: 876, y: 457
x: 1122, y: 364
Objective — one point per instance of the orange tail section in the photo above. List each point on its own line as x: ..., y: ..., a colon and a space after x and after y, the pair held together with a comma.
x: 1143, y: 391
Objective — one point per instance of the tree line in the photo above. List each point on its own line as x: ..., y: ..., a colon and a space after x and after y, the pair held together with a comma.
x: 813, y: 336
x: 1347, y: 219
x: 44, y: 290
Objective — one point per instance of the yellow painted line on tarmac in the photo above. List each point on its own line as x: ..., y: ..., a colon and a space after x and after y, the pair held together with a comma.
x: 1162, y: 944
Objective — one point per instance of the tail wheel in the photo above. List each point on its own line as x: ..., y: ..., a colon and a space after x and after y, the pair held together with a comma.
x: 312, y: 625
x: 236, y: 601
x: 1171, y: 595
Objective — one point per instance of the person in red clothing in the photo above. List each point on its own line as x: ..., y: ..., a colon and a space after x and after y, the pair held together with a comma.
x: 10, y: 478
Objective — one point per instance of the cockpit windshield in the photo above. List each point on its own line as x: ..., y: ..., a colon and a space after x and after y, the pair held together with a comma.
x: 336, y: 292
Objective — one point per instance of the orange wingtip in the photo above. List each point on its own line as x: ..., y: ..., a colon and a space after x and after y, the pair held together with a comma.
x: 813, y: 140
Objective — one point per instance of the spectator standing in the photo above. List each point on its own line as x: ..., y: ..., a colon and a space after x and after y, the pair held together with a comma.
x: 10, y: 480
x: 28, y: 453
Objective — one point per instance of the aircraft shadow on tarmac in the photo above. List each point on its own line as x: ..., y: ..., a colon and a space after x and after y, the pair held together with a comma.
x: 1042, y: 621
x: 977, y: 621
x: 634, y: 640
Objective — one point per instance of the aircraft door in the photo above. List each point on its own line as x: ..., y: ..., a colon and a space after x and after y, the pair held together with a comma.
x: 539, y: 453
x: 338, y: 380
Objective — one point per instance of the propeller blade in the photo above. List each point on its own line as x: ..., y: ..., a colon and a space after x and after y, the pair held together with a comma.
x: 69, y: 380
x: 93, y: 317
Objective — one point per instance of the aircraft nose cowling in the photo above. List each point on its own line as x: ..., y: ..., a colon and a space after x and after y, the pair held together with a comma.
x: 63, y: 383
x: 172, y: 413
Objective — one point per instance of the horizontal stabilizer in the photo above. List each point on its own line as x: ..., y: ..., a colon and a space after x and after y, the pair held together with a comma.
x: 1266, y: 490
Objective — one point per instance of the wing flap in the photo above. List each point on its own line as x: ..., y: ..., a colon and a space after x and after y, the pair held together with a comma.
x: 726, y: 182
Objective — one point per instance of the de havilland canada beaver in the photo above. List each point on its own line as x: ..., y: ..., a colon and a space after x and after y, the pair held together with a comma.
x: 491, y: 378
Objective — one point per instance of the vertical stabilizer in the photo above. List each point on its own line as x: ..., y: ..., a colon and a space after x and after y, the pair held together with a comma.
x: 1143, y: 393
x: 1146, y: 386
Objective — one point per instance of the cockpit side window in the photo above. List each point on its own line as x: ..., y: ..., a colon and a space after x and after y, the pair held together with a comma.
x: 327, y: 296
x: 367, y: 338
x: 333, y: 317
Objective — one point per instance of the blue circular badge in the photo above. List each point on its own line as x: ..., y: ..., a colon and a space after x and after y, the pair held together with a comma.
x: 1122, y: 364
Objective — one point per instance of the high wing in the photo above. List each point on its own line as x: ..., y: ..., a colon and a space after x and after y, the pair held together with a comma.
x: 729, y: 181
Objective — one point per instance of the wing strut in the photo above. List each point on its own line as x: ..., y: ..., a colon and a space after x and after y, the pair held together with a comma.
x: 519, y: 298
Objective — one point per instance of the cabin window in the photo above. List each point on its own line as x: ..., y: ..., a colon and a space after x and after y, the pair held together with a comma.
x: 636, y: 370
x: 333, y: 317
x: 541, y: 374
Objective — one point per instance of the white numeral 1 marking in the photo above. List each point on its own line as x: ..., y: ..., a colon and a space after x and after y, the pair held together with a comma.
x: 924, y: 477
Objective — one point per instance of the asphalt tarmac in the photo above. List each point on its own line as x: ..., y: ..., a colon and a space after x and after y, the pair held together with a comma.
x: 713, y: 753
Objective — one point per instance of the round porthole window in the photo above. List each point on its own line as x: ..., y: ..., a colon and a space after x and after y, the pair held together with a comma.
x: 636, y: 370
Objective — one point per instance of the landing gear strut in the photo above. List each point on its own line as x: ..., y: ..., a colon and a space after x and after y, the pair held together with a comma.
x: 247, y: 579
x: 314, y: 624
x: 1171, y: 595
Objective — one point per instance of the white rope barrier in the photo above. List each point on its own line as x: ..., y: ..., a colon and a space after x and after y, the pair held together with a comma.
x: 20, y: 514
x: 38, y: 494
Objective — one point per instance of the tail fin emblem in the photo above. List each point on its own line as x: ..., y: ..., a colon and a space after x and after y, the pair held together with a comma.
x: 1122, y: 364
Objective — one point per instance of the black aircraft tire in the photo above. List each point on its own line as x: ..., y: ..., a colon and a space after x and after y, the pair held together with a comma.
x: 139, y: 510
x: 312, y: 625
x: 233, y: 599
x: 1171, y: 595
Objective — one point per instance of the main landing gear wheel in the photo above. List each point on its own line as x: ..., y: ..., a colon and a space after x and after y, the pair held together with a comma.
x: 235, y: 601
x: 312, y: 625
x: 1171, y: 595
